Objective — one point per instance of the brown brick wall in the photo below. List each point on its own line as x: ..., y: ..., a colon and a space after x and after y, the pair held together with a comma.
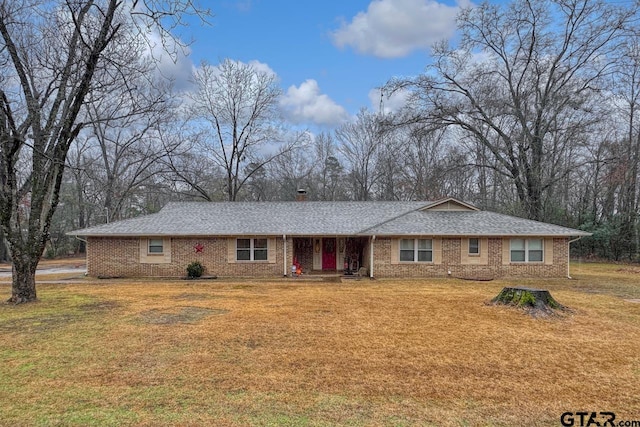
x: 119, y: 257
x: 451, y: 261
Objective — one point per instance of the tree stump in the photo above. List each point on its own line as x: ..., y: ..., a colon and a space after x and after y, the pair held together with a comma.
x: 535, y: 301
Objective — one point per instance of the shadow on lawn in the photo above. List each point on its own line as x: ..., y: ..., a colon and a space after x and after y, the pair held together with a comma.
x: 184, y: 315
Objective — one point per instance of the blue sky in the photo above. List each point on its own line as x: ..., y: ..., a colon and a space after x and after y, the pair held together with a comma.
x: 330, y: 55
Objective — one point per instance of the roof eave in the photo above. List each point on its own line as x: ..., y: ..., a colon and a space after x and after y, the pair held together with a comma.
x: 480, y: 234
x: 328, y: 234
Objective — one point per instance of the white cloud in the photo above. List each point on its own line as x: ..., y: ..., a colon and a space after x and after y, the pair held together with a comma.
x: 395, y: 28
x: 305, y: 103
x: 391, y: 103
x: 172, y: 60
x: 261, y: 67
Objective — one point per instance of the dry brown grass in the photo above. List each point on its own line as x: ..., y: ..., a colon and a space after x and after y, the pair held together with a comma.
x: 421, y: 352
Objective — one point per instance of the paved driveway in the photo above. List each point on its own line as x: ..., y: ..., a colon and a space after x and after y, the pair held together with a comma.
x: 6, y: 271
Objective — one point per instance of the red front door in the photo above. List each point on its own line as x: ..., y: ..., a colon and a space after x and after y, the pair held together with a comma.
x: 329, y: 254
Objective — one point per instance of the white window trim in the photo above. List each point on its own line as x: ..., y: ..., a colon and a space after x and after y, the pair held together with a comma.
x: 469, y: 246
x: 252, y: 249
x: 415, y: 252
x: 526, y: 251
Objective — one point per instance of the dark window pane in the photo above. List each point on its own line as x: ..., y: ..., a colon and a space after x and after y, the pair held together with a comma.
x: 425, y: 256
x: 260, y: 255
x: 406, y: 255
x: 535, y: 256
x: 517, y: 256
x: 260, y: 243
x: 244, y: 255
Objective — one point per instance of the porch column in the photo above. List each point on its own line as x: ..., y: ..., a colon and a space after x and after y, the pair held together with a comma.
x: 284, y: 260
x: 373, y: 239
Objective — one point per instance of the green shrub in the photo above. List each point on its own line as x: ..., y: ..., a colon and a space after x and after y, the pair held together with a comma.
x: 195, y: 269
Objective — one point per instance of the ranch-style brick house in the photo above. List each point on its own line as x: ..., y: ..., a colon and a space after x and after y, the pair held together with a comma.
x: 377, y: 239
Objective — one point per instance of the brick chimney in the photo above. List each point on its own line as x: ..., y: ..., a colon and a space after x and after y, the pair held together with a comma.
x: 301, y: 196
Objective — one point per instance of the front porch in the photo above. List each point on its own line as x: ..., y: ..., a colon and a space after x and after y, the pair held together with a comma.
x: 338, y: 255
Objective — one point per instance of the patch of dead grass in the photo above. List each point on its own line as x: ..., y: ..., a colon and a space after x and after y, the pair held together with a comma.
x: 414, y: 352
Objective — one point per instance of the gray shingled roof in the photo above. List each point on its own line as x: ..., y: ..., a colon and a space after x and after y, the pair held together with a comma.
x: 320, y: 218
x: 257, y: 218
x: 465, y: 223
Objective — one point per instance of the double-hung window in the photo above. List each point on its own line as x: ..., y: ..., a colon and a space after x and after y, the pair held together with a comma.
x: 251, y: 250
x: 527, y: 250
x: 416, y: 250
x: 156, y: 247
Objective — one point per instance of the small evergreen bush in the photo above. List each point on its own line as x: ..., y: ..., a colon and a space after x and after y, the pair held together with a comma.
x: 195, y: 270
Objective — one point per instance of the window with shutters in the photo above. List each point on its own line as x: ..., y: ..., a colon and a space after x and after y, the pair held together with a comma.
x: 527, y: 250
x: 416, y: 250
x: 251, y: 249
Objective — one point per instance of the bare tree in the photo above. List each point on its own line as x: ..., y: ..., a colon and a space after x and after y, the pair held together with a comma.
x: 329, y: 181
x: 78, y: 161
x: 423, y: 172
x: 234, y: 111
x: 521, y: 83
x: 292, y: 171
x: 626, y: 89
x: 124, y: 129
x: 360, y: 145
x: 312, y: 167
x: 50, y: 53
x: 392, y: 146
x: 192, y: 174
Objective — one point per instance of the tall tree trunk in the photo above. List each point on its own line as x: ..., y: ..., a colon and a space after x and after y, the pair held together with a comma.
x: 68, y: 39
x: 23, y: 288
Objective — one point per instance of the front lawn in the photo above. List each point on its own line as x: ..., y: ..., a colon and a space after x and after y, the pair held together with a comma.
x: 414, y: 352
